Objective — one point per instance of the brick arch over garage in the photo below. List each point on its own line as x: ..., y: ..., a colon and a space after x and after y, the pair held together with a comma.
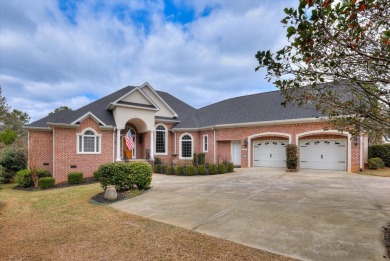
x: 263, y: 135
x: 332, y: 133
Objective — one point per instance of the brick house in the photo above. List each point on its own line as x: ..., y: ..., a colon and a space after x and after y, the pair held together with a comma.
x: 250, y: 131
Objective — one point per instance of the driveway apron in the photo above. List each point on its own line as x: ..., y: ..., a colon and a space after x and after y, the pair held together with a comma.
x: 309, y: 215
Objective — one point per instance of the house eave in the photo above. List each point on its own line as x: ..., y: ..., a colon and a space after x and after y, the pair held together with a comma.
x: 254, y: 124
x: 63, y: 125
x: 37, y: 128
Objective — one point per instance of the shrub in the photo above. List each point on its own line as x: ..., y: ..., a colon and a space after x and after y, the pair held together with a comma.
x: 12, y: 159
x: 170, y: 170
x: 42, y: 173
x: 125, y: 176
x: 157, y: 161
x: 5, y: 175
x: 201, y: 170
x: 201, y: 157
x: 291, y: 156
x: 141, y: 174
x: 157, y: 168
x: 116, y: 174
x: 195, y: 159
x: 376, y: 163
x: 75, y: 178
x: 221, y: 168
x: 212, y: 169
x: 46, y: 182
x: 191, y: 170
x: 180, y: 170
x: 380, y: 151
x: 96, y: 175
x: 24, y: 179
x: 230, y: 167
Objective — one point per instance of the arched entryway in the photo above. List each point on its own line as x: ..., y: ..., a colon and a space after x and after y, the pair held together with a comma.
x: 128, y: 148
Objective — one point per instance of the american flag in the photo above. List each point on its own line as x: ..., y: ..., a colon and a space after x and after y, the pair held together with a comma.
x: 129, y: 141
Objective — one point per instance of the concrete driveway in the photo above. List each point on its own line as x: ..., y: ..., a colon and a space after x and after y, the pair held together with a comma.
x: 310, y: 215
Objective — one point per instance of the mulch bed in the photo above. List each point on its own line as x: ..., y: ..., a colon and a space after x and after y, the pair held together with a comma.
x: 386, y: 231
x: 99, y: 198
x: 60, y: 185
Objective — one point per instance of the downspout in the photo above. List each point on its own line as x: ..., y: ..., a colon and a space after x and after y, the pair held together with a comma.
x: 28, y: 149
x: 361, y: 153
x: 54, y: 153
x: 215, y: 149
x: 174, y: 132
x: 113, y: 145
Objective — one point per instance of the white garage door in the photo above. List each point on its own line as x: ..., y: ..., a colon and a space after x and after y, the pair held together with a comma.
x: 323, y: 154
x: 269, y: 153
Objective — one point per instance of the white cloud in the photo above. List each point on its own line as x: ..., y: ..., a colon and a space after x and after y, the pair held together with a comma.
x: 46, y: 60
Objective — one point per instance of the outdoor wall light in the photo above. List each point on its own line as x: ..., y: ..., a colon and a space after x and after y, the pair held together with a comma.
x: 356, y: 140
x: 245, y: 142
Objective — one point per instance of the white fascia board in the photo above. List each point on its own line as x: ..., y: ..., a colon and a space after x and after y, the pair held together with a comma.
x: 134, y: 106
x: 115, y: 103
x: 89, y: 114
x: 63, y: 125
x: 37, y: 128
x: 166, y: 120
x: 107, y: 127
x: 252, y: 124
x: 158, y: 96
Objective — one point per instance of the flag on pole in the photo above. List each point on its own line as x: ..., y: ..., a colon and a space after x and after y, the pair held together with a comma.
x: 129, y: 141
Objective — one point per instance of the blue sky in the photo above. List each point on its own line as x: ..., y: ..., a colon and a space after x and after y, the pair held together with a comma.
x: 55, y: 53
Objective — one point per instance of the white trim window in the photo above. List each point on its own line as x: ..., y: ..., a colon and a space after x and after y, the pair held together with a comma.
x: 206, y: 143
x: 161, y: 140
x: 186, y: 146
x: 88, y: 142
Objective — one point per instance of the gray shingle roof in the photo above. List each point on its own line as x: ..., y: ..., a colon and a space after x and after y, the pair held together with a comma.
x: 250, y: 108
x: 244, y: 109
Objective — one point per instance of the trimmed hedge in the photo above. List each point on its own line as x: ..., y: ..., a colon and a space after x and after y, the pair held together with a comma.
x: 75, y: 178
x: 376, y: 163
x: 96, y: 175
x: 201, y: 170
x: 125, y: 176
x: 180, y: 170
x: 212, y: 169
x: 24, y: 178
x: 141, y: 174
x: 170, y: 170
x: 46, y: 182
x: 230, y: 167
x: 380, y: 151
x: 191, y: 170
x: 222, y: 169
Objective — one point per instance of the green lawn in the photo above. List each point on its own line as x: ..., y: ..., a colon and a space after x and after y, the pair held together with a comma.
x: 61, y: 224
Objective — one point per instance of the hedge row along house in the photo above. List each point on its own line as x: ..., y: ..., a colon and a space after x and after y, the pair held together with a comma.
x: 250, y: 131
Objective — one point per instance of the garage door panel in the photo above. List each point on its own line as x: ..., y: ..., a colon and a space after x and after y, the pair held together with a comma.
x: 269, y: 153
x: 323, y: 154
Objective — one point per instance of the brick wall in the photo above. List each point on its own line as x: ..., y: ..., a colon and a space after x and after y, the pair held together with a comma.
x: 65, y: 150
x: 41, y: 149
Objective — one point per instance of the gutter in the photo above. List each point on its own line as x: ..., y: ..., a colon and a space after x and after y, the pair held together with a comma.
x: 250, y: 124
x: 215, y: 149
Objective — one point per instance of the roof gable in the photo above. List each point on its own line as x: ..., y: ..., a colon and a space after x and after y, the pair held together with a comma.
x: 134, y: 98
x: 165, y: 109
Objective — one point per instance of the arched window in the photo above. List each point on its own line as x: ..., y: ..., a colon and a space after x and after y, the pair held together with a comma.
x: 88, y: 142
x: 186, y: 147
x: 161, y: 140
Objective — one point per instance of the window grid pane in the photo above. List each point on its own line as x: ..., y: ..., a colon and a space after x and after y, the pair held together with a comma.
x: 205, y: 143
x: 97, y: 144
x: 186, y: 149
x: 80, y: 143
x: 89, y: 144
x: 160, y: 141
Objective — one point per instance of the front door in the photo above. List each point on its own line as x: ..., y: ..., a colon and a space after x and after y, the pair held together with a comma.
x: 126, y: 153
x: 236, y: 153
